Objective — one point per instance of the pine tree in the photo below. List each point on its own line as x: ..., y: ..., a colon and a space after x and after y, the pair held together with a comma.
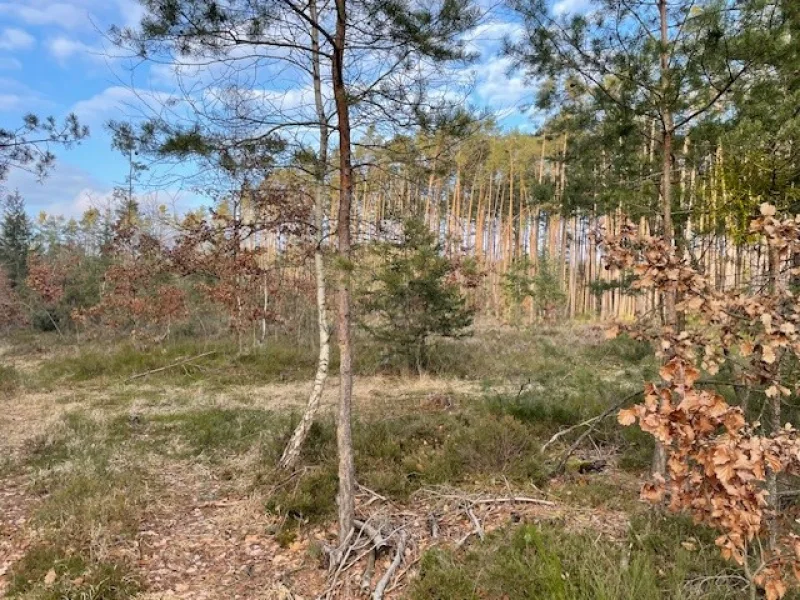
x: 16, y: 236
x: 412, y: 298
x: 29, y: 146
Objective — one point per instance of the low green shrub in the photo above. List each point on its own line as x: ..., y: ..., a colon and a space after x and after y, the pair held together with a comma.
x: 662, y: 559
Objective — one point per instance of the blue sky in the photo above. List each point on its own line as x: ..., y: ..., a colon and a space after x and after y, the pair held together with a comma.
x: 54, y: 59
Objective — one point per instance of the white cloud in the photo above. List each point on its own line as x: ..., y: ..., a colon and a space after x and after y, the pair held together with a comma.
x: 68, y: 190
x: 13, y: 39
x: 487, y: 38
x: 17, y: 96
x: 568, y: 7
x: 61, y: 14
x: 64, y: 48
x: 110, y: 99
x: 121, y: 103
x: 498, y: 89
x: 73, y: 14
x: 10, y: 102
x: 131, y: 11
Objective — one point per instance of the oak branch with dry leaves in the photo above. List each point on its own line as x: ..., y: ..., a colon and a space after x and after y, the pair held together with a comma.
x: 721, y: 468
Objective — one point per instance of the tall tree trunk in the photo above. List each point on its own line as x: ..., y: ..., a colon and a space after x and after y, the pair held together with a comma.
x: 773, y: 499
x: 509, y: 257
x: 292, y: 451
x: 344, y: 435
x: 670, y: 296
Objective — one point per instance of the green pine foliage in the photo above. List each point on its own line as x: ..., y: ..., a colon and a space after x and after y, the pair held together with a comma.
x: 15, y: 239
x: 412, y: 298
x: 540, y: 283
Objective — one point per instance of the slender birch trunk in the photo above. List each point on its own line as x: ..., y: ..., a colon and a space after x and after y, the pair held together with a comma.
x: 292, y: 451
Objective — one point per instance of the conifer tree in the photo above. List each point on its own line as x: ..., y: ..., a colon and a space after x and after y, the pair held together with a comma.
x: 30, y: 146
x: 413, y: 298
x: 16, y: 236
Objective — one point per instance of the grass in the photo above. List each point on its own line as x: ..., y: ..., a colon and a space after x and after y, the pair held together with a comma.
x: 493, y: 356
x: 398, y: 455
x: 92, y: 497
x: 90, y: 473
x: 541, y: 355
x: 277, y: 361
x: 216, y: 432
x: 662, y: 558
x: 9, y: 380
x: 76, y: 577
x: 597, y: 492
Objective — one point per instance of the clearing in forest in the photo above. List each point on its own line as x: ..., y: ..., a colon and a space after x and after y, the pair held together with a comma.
x: 164, y: 486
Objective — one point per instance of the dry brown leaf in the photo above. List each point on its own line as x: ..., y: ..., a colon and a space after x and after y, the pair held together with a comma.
x: 626, y: 416
x: 768, y: 354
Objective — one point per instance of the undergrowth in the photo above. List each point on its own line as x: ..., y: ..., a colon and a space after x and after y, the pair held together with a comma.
x: 497, y: 356
x: 74, y: 576
x: 662, y: 558
x: 90, y: 473
x: 9, y: 380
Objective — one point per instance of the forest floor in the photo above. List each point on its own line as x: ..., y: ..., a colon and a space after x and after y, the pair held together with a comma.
x: 115, y: 485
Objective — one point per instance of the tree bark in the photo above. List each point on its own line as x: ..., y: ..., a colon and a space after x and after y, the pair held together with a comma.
x: 344, y: 436
x: 670, y: 298
x: 292, y: 451
x: 773, y: 498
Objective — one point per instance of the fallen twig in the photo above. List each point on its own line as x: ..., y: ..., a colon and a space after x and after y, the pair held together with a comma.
x: 399, y: 579
x: 338, y: 557
x: 464, y: 498
x: 513, y: 500
x: 476, y: 523
x: 171, y: 366
x: 433, y: 522
x: 590, y: 421
x: 380, y: 589
x: 377, y: 537
x: 614, y: 407
x: 366, y: 578
x: 464, y: 539
x: 374, y: 496
x: 564, y: 432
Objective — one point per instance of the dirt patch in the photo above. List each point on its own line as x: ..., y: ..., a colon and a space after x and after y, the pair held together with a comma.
x: 26, y: 416
x: 16, y: 535
x: 207, y: 539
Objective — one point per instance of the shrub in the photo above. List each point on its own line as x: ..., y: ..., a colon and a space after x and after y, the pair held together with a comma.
x: 413, y: 297
x: 664, y: 558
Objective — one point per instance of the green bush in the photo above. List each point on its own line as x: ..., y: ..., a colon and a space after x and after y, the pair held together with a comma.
x: 411, y: 299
